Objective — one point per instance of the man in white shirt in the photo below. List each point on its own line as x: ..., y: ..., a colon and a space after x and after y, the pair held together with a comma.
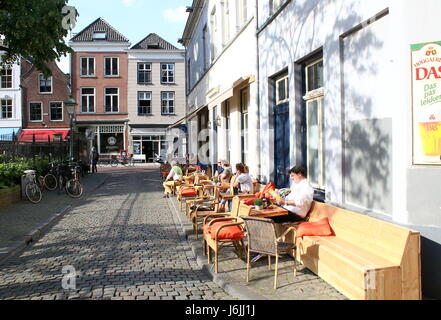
x: 299, y: 201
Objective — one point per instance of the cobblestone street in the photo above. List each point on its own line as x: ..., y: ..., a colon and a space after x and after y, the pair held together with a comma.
x: 123, y: 243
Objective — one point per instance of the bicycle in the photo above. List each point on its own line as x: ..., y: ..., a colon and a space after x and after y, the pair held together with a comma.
x: 32, y: 190
x: 107, y: 162
x: 49, y: 181
x: 74, y: 187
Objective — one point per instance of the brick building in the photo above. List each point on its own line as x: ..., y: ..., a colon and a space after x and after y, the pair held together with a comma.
x: 44, y: 113
x: 99, y: 84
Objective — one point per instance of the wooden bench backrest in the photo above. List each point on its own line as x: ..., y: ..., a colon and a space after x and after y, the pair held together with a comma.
x: 379, y: 237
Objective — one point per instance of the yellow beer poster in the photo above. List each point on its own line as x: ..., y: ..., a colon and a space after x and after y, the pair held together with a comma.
x: 426, y: 87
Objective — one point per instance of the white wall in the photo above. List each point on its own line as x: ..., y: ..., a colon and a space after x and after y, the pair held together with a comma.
x: 15, y: 95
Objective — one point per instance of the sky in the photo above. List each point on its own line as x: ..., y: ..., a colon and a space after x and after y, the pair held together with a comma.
x: 135, y: 19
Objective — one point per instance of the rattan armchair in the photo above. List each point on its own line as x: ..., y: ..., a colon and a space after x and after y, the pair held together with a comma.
x: 262, y: 239
x: 213, y: 240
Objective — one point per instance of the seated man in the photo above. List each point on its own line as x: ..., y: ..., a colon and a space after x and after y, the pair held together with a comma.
x: 299, y: 201
x: 176, y: 175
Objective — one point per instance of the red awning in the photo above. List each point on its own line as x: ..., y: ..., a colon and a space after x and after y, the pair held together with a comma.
x: 42, y: 135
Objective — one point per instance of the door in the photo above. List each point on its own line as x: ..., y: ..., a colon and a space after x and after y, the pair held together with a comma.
x: 150, y: 148
x: 281, y: 145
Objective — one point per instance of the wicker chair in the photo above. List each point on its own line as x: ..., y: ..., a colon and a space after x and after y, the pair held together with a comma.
x: 183, y: 199
x: 262, y: 239
x: 201, y: 208
x: 218, y: 242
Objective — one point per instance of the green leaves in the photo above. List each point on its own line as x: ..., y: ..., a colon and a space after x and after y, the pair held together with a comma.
x: 11, y: 172
x: 33, y: 29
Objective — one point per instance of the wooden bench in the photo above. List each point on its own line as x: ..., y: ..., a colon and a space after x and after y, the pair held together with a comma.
x: 139, y: 157
x: 367, y: 259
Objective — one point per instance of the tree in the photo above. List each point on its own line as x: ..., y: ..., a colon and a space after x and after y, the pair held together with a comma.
x: 35, y: 29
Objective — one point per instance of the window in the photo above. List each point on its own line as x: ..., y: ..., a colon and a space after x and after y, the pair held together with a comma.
x: 111, y: 66
x: 282, y: 90
x: 144, y: 103
x: 111, y: 99
x: 144, y: 73
x: 87, y: 66
x: 241, y: 13
x: 168, y: 73
x: 168, y: 102
x: 45, y: 84
x: 314, y: 99
x: 6, y: 109
x: 99, y: 35
x: 206, y: 49
x: 6, y: 78
x: 244, y: 100
x: 275, y: 5
x: 213, y: 27
x: 225, y: 22
x: 56, y: 111
x: 35, y: 111
x: 87, y: 100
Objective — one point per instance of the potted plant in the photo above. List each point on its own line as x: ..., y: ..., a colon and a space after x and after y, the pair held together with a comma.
x: 258, y: 203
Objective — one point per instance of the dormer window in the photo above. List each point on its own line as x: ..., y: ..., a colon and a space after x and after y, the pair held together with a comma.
x: 99, y: 35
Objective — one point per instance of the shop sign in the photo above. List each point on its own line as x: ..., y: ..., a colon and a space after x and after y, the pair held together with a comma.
x: 426, y: 95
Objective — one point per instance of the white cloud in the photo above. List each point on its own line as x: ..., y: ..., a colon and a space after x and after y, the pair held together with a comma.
x: 175, y: 15
x: 129, y: 3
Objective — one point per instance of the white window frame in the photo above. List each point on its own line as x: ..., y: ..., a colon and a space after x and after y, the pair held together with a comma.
x: 111, y: 67
x: 225, y: 22
x: 149, y: 109
x: 111, y: 95
x: 99, y: 35
x: 7, y: 106
x: 40, y: 79
x: 7, y: 68
x: 167, y: 71
x: 168, y: 104
x: 41, y: 111
x: 88, y: 95
x: 241, y: 14
x: 316, y: 95
x: 145, y: 71
x: 62, y: 111
x: 93, y: 74
x: 278, y: 82
x: 214, y: 35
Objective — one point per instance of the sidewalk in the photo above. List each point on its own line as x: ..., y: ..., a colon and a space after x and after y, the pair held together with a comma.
x: 232, y: 273
x: 24, y: 222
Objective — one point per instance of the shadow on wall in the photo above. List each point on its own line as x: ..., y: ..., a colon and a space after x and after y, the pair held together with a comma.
x: 366, y: 173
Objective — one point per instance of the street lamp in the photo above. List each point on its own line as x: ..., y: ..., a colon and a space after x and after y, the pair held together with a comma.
x: 71, y: 105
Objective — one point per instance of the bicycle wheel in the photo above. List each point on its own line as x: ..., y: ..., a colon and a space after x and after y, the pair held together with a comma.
x: 33, y: 192
x: 74, y: 188
x: 50, y: 182
x: 114, y: 163
x: 101, y: 163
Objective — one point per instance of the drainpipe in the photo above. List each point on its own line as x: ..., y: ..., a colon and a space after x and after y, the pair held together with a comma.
x: 259, y: 176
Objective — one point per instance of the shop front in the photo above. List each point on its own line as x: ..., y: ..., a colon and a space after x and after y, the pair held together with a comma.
x: 148, y: 142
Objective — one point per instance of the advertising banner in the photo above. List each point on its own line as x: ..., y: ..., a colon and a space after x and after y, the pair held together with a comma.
x: 426, y: 93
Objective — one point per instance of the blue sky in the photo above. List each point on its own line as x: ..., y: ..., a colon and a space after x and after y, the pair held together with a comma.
x: 135, y: 19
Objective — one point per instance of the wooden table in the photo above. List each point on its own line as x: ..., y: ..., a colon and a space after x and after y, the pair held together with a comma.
x: 269, y: 213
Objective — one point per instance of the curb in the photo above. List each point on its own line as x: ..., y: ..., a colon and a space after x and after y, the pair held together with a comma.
x: 41, y: 230
x: 222, y: 280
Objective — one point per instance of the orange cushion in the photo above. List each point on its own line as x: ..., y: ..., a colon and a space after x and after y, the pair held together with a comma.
x: 207, y: 227
x: 249, y: 202
x: 189, y: 192
x: 233, y: 232
x: 317, y: 228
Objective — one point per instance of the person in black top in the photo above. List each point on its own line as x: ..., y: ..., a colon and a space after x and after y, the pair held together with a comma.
x: 95, y: 156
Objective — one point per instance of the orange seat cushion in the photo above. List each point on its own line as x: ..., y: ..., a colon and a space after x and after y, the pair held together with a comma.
x: 189, y: 192
x: 232, y: 232
x: 249, y: 202
x: 317, y: 228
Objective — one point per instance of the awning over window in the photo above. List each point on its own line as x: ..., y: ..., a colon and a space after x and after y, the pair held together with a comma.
x: 42, y: 135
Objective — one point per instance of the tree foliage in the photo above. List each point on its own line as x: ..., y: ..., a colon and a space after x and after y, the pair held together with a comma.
x: 33, y: 29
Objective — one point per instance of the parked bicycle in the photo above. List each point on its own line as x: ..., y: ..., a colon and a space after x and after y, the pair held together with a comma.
x: 107, y: 162
x: 49, y: 181
x: 74, y: 188
x: 32, y: 190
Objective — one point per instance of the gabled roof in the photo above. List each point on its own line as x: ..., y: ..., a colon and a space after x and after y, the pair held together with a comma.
x: 153, y: 41
x: 112, y: 35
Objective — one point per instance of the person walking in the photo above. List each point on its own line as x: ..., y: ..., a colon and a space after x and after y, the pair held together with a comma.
x: 95, y: 156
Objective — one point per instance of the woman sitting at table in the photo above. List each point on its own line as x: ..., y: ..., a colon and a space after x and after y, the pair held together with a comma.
x: 176, y: 176
x: 243, y: 180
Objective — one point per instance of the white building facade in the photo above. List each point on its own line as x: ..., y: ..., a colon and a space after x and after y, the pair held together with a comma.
x: 221, y: 58
x: 10, y: 99
x: 335, y: 96
x: 156, y: 95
